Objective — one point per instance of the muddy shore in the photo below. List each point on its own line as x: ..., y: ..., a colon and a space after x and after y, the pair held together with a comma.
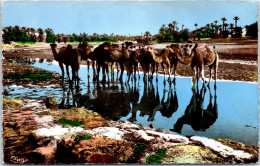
x: 34, y: 131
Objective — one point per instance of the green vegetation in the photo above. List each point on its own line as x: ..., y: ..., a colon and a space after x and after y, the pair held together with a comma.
x: 84, y: 137
x: 74, y: 123
x: 156, y: 158
x: 140, y: 147
x: 172, y: 34
x: 28, y: 75
x: 27, y: 42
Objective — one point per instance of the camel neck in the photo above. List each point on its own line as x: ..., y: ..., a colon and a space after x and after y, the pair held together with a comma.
x: 54, y: 53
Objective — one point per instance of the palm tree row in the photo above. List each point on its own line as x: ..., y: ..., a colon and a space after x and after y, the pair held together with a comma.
x: 215, y: 30
x: 23, y: 34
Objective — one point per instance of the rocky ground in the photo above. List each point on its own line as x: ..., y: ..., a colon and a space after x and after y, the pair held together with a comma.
x: 41, y: 132
x: 33, y: 133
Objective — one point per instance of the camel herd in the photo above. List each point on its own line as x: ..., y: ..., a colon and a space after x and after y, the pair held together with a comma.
x: 129, y: 57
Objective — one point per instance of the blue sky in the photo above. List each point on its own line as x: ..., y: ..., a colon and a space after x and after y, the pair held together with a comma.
x: 124, y: 17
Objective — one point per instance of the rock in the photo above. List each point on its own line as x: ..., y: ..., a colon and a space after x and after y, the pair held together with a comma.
x: 47, y: 152
x: 11, y: 103
x: 17, y: 126
x: 223, y: 150
x: 190, y: 154
x: 85, y: 149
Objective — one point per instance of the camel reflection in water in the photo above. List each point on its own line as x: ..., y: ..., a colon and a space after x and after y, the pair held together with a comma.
x: 150, y: 102
x: 122, y: 99
x: 198, y: 118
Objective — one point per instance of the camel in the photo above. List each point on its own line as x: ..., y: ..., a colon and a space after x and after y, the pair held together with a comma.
x: 117, y: 54
x: 86, y: 50
x: 131, y: 64
x: 176, y: 53
x: 197, y: 57
x: 160, y: 59
x: 203, y: 56
x: 69, y: 57
x: 146, y: 61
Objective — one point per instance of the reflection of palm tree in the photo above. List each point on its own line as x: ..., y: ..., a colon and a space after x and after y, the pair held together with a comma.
x: 236, y: 18
x: 198, y: 118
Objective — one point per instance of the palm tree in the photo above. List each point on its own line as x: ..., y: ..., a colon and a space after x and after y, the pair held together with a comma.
x: 236, y: 18
x: 147, y: 34
x: 225, y: 25
x: 170, y: 25
x: 174, y: 23
x: 223, y: 19
x: 196, y: 25
x: 216, y: 21
x: 196, y: 29
x: 231, y: 26
x: 182, y: 27
x: 207, y: 27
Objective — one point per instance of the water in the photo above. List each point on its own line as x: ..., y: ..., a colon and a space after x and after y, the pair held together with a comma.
x: 230, y: 111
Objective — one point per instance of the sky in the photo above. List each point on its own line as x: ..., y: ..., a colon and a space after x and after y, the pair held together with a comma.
x: 123, y: 17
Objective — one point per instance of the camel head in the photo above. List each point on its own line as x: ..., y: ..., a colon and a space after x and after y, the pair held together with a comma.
x: 150, y: 49
x: 53, y: 45
x: 186, y: 49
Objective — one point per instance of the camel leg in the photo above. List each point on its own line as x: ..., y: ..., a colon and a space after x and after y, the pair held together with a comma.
x: 215, y: 86
x: 164, y: 82
x: 104, y: 73
x: 194, y: 77
x: 62, y: 71
x: 117, y: 71
x: 169, y: 70
x: 138, y: 70
x: 107, y: 71
x: 98, y: 70
x: 88, y: 68
x: 122, y: 71
x: 135, y: 72
x: 202, y: 74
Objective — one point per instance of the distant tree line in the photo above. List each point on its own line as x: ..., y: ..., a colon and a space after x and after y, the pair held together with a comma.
x: 23, y: 34
x: 169, y: 33
x: 252, y: 30
x: 213, y: 30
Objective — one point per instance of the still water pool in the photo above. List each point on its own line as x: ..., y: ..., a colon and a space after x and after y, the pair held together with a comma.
x: 230, y: 111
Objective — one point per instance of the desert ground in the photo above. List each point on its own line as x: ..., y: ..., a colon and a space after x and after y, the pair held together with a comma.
x: 32, y: 130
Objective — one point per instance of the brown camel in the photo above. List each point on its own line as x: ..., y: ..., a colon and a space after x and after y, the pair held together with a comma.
x: 197, y: 57
x: 69, y: 57
x: 131, y: 64
x: 106, y: 53
x: 160, y: 59
x: 119, y: 55
x: 203, y: 56
x: 175, y: 53
x: 145, y: 58
x: 85, y: 50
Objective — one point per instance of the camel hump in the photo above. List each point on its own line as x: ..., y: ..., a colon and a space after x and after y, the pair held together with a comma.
x: 69, y: 47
